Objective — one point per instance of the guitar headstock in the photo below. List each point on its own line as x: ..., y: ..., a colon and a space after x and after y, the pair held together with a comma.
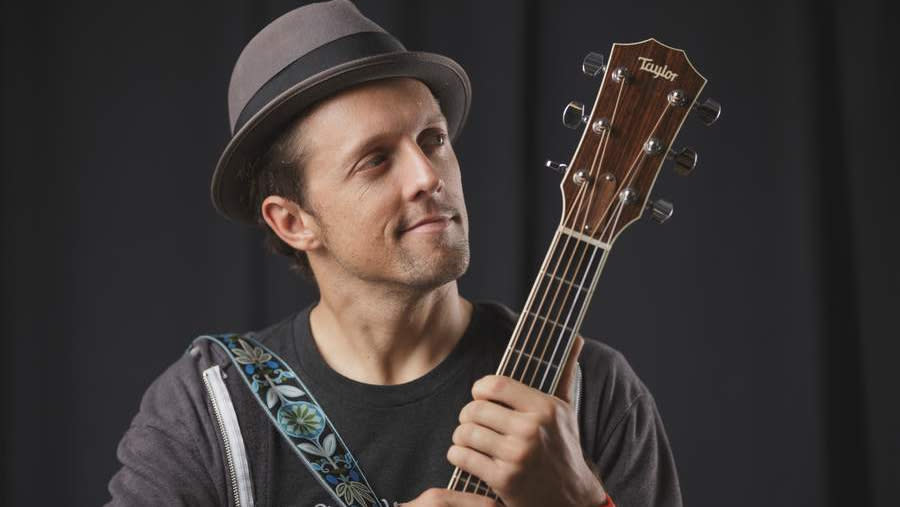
x: 648, y: 89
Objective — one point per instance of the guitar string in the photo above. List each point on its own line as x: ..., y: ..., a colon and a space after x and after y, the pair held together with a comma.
x: 459, y: 472
x: 579, y: 195
x: 576, y: 227
x: 478, y: 480
x: 601, y: 147
x: 602, y: 144
x: 630, y: 175
x: 558, y: 286
x: 594, y: 181
x: 601, y: 151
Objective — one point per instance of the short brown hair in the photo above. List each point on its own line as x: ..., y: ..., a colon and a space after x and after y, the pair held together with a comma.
x: 278, y: 170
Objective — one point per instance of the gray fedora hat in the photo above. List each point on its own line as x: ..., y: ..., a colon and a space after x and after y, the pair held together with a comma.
x: 302, y: 57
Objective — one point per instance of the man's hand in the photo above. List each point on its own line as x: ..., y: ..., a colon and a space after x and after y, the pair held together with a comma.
x: 524, y: 443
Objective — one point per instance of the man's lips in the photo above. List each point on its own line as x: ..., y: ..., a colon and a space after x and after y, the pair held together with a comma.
x: 430, y: 223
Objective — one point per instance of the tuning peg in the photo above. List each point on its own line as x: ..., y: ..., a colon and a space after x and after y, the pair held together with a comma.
x: 573, y: 115
x: 708, y: 111
x: 661, y: 210
x: 685, y: 160
x: 557, y: 167
x: 593, y: 65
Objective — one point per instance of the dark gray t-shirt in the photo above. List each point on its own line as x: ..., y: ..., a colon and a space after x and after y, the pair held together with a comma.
x: 400, y: 433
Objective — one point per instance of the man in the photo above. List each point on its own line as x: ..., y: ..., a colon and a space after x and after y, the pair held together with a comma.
x: 342, y: 150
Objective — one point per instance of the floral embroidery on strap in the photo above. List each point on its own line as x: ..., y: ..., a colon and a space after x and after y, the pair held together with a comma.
x: 302, y: 422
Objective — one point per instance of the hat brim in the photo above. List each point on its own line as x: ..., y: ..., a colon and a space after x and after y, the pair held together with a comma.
x: 446, y: 79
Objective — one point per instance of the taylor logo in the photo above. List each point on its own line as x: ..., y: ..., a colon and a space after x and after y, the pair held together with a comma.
x: 656, y: 69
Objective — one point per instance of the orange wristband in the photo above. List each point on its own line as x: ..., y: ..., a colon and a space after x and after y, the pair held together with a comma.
x: 608, y: 502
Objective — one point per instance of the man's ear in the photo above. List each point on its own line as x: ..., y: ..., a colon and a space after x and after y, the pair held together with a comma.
x: 291, y: 223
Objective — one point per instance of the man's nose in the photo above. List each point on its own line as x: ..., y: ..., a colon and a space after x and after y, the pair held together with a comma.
x: 420, y: 177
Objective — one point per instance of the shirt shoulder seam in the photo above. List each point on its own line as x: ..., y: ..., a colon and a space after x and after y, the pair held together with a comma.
x: 631, y: 406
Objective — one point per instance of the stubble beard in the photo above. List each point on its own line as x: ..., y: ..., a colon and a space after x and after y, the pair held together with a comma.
x: 410, y: 270
x: 424, y: 274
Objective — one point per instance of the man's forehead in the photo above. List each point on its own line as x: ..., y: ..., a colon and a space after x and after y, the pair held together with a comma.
x: 346, y: 122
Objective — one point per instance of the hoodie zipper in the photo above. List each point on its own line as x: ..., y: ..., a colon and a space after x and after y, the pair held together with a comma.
x: 235, y: 453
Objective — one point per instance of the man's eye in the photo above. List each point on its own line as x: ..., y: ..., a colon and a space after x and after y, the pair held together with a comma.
x: 437, y: 138
x: 375, y: 161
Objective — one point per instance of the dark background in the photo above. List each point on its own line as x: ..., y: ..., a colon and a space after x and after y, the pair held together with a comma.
x: 762, y: 316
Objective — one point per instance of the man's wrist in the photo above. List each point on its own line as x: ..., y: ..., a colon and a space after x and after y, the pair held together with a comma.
x: 601, y: 499
x: 596, y: 494
x: 599, y: 496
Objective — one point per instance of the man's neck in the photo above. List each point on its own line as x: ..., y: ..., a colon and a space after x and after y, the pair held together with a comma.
x: 388, y: 338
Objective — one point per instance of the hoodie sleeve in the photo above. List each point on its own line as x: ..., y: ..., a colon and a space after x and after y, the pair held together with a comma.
x: 626, y: 440
x: 170, y: 455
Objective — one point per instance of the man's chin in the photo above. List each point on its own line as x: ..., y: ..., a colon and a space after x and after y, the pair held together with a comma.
x: 449, y: 265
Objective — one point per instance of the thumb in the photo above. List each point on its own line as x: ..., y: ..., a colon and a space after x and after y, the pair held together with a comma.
x: 567, y: 380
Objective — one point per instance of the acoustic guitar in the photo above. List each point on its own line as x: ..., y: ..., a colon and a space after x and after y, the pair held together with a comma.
x: 647, y: 90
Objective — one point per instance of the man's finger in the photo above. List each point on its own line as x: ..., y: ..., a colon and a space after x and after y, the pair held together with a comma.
x: 490, y: 415
x: 510, y: 392
x: 472, y: 461
x: 567, y: 380
x: 484, y: 440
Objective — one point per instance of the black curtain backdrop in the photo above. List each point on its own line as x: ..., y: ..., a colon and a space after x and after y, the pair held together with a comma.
x: 761, y: 316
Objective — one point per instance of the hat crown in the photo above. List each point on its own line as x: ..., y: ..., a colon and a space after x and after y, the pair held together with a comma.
x: 287, y: 38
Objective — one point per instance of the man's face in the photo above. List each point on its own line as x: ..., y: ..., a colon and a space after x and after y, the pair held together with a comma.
x: 378, y: 161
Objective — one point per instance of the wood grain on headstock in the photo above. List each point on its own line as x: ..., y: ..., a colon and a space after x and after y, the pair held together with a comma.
x: 610, y: 161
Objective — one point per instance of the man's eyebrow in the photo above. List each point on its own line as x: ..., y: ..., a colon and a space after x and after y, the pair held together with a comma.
x: 360, y: 148
x: 436, y: 117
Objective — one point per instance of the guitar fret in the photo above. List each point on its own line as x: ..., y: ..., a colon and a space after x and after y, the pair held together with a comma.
x: 584, y: 237
x: 555, y: 324
x: 567, y: 282
x: 475, y: 485
x: 478, y: 487
x: 530, y: 357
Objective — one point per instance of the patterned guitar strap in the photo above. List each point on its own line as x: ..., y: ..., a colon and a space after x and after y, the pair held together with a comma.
x: 299, y: 418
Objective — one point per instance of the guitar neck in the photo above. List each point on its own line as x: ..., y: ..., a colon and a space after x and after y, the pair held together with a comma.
x: 542, y: 339
x: 555, y: 308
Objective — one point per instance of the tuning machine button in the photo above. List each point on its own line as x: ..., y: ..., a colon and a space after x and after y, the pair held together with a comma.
x: 557, y: 167
x: 573, y: 115
x: 708, y: 112
x: 593, y: 65
x: 661, y: 210
x: 685, y: 160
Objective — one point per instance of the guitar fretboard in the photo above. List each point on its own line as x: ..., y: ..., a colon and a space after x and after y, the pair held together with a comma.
x: 547, y: 327
x: 539, y: 347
